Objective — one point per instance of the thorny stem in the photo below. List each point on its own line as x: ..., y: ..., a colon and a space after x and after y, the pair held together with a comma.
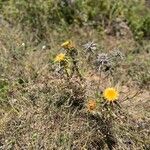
x: 75, y: 67
x: 100, y: 75
x: 66, y: 72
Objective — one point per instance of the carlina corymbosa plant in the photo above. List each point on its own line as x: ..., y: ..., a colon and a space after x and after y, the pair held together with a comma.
x: 72, y: 53
x: 111, y: 95
x: 62, y: 60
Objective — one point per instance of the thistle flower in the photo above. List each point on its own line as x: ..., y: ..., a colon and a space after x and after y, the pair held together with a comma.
x: 67, y: 45
x: 91, y: 105
x: 90, y: 47
x: 60, y: 57
x: 103, y: 62
x: 103, y: 59
x: 111, y: 94
x: 117, y: 54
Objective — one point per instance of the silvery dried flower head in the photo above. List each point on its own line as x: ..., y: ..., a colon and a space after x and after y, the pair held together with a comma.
x: 90, y: 47
x: 117, y: 54
x: 103, y: 62
x: 103, y: 59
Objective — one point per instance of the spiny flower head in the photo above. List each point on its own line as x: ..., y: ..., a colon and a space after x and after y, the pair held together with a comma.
x: 111, y: 94
x: 90, y: 47
x: 60, y: 57
x: 67, y: 45
x: 103, y: 59
x: 117, y: 54
x: 91, y: 105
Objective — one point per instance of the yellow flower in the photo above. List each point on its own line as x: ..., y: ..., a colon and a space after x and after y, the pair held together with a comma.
x: 60, y: 57
x: 68, y: 44
x: 110, y: 94
x: 91, y: 105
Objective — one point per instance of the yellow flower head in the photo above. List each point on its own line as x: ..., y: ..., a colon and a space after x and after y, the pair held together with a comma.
x: 60, y: 57
x: 68, y: 44
x: 91, y: 105
x: 111, y: 94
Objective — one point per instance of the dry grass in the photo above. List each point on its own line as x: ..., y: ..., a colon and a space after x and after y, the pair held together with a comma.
x: 40, y: 110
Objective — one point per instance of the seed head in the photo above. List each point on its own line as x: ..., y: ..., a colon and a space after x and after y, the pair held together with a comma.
x: 90, y: 47
x: 117, y: 54
x: 103, y: 58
